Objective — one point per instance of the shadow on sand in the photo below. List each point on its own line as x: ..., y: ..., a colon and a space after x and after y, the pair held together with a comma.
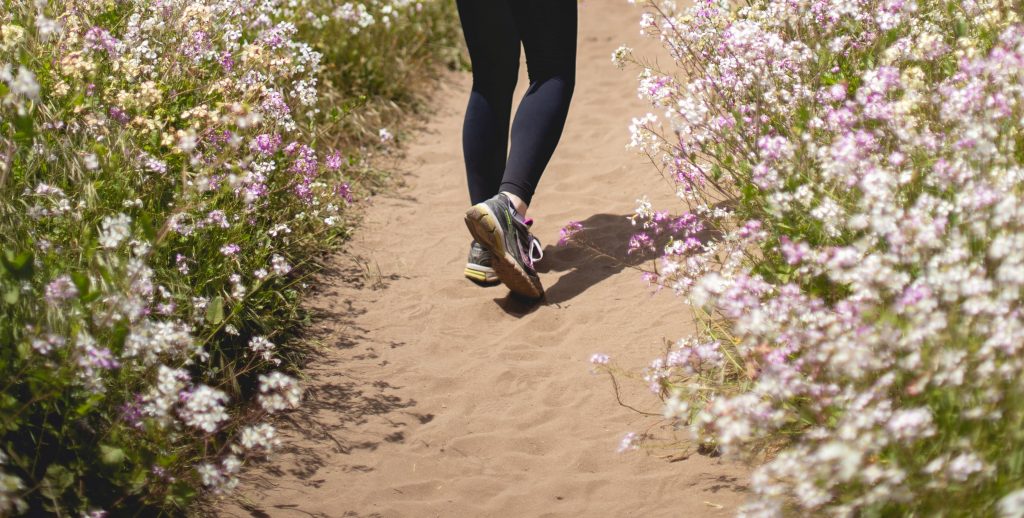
x: 342, y: 408
x: 606, y: 253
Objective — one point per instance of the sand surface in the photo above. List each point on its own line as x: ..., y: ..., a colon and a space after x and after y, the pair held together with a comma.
x: 436, y: 397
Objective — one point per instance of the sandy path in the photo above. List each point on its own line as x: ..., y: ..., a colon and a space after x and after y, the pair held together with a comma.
x: 440, y: 398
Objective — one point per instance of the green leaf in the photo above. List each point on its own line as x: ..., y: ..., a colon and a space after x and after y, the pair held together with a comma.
x: 8, y: 401
x: 89, y: 404
x: 181, y: 494
x: 138, y: 479
x: 716, y: 172
x: 24, y: 127
x: 960, y: 29
x: 111, y: 455
x: 20, y: 265
x: 148, y: 229
x: 118, y: 337
x: 11, y: 296
x: 215, y: 310
x: 81, y: 281
x: 24, y: 350
x: 58, y: 478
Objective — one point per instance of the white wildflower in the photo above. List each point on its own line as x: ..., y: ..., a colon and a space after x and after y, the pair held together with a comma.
x: 114, y: 230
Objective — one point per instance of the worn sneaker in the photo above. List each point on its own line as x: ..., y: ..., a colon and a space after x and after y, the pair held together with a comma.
x: 497, y: 226
x: 478, y: 266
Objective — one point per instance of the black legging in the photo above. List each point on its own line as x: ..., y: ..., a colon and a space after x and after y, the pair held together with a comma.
x: 494, y: 30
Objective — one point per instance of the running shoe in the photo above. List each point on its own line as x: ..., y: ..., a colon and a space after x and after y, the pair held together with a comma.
x: 478, y: 266
x: 497, y: 226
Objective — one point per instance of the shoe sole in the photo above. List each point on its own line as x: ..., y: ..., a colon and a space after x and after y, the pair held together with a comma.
x: 483, y: 224
x: 480, y: 275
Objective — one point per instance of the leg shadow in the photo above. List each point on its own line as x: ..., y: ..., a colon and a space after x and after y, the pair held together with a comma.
x: 604, y: 252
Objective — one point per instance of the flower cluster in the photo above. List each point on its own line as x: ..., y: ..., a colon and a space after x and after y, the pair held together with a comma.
x: 279, y: 392
x: 852, y: 181
x: 166, y: 173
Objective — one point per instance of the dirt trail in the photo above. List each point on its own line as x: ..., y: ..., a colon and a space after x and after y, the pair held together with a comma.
x: 440, y: 398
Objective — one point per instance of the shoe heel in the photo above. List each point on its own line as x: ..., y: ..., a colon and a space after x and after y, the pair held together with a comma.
x: 480, y: 277
x: 484, y: 228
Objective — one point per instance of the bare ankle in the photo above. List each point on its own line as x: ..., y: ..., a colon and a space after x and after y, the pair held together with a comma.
x: 518, y: 203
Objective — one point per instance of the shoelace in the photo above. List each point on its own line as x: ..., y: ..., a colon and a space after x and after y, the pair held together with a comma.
x: 535, y: 246
x: 536, y: 252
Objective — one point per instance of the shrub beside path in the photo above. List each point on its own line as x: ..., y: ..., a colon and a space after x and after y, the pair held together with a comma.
x: 435, y: 397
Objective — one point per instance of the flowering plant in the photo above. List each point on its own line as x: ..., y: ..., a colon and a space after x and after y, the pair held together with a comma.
x: 851, y: 176
x: 167, y: 172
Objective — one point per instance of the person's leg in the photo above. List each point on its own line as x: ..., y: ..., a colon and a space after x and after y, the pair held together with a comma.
x: 548, y: 31
x: 494, y: 52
